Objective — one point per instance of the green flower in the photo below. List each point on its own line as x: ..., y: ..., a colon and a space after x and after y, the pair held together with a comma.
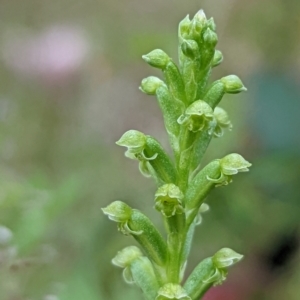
x: 197, y: 116
x: 226, y: 257
x: 124, y: 258
x: 233, y: 84
x: 135, y: 141
x: 172, y: 291
x: 168, y: 200
x: 120, y: 212
x: 222, y: 121
x: 230, y: 165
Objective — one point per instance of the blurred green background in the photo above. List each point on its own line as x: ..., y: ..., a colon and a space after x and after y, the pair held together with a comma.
x: 69, y: 78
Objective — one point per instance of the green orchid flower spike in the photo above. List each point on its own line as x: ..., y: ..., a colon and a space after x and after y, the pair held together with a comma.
x: 189, y: 104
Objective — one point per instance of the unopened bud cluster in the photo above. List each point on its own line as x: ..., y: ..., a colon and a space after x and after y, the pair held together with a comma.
x: 192, y: 117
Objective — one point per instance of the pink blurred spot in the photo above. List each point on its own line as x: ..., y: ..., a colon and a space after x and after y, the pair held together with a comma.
x: 224, y: 292
x: 51, y: 56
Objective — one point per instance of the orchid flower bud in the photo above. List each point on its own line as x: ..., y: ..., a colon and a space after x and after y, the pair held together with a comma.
x: 190, y: 49
x: 157, y: 59
x: 150, y: 84
x: 184, y: 27
x: 211, y: 24
x: 198, y: 24
x: 168, y: 200
x: 197, y: 116
x: 172, y: 291
x: 230, y: 84
x: 233, y: 84
x: 222, y: 121
x: 210, y: 38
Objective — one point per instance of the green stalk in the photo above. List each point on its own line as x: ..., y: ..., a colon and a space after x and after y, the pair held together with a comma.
x: 175, y: 229
x: 162, y: 164
x: 150, y: 239
x: 199, y: 188
x: 144, y: 276
x: 187, y: 140
x: 201, y: 144
x: 175, y: 82
x: 195, y: 285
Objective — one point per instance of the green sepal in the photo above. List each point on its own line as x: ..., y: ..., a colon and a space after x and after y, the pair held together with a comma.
x: 172, y: 291
x: 150, y: 239
x: 144, y: 276
x: 162, y: 165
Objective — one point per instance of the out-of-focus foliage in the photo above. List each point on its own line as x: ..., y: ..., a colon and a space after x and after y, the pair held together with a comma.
x: 69, y: 76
